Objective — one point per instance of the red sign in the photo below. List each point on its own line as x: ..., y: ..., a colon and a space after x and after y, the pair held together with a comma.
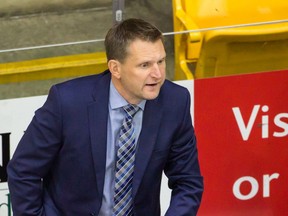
x: 241, y: 124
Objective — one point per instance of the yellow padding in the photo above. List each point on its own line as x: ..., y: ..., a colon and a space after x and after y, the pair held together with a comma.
x: 230, y: 51
x: 215, y: 13
x: 55, y: 67
x: 243, y: 50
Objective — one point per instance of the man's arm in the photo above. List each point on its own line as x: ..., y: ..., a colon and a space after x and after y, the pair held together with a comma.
x: 33, y: 158
x: 182, y: 170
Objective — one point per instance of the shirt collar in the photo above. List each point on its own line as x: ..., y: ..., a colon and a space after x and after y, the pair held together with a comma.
x: 117, y: 101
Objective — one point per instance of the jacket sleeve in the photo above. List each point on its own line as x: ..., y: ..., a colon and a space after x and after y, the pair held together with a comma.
x: 33, y: 158
x: 182, y: 170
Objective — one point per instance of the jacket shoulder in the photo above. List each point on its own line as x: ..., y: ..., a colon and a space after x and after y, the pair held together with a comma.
x: 173, y: 90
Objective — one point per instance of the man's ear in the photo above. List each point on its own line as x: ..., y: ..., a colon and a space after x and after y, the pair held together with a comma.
x: 114, y: 67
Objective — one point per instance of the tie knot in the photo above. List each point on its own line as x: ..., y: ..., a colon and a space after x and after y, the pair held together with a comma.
x: 131, y: 110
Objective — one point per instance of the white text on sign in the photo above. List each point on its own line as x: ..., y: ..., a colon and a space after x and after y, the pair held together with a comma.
x: 245, y: 129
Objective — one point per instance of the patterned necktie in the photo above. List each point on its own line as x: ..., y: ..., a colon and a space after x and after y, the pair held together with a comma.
x: 125, y: 165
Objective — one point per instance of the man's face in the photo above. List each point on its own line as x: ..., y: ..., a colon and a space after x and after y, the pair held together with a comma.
x: 142, y: 73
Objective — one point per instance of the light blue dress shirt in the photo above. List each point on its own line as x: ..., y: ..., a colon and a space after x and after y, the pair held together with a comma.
x: 115, y: 119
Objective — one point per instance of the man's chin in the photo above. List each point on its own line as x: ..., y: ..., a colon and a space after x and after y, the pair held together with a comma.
x: 151, y: 96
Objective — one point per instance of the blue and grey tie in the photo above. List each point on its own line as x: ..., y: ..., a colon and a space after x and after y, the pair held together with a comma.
x: 125, y: 165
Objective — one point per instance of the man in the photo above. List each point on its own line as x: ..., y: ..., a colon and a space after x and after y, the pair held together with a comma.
x: 68, y: 161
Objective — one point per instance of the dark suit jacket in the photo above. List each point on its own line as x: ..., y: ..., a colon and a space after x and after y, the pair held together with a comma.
x: 59, y: 165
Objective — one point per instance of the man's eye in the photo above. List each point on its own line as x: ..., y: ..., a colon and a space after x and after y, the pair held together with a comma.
x: 161, y: 61
x: 144, y: 65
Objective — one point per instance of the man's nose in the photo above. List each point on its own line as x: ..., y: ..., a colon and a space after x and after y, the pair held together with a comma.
x: 156, y: 71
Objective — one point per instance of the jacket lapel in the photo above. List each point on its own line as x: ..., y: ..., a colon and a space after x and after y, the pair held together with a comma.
x: 150, y: 126
x: 98, y: 116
